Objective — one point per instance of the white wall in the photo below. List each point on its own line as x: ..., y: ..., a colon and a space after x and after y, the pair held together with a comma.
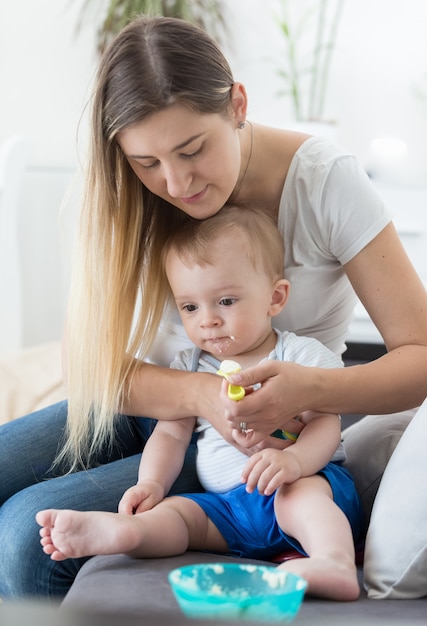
x: 45, y: 78
x: 381, y: 55
x: 46, y: 73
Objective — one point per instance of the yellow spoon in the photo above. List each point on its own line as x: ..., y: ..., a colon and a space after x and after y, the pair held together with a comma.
x: 235, y: 392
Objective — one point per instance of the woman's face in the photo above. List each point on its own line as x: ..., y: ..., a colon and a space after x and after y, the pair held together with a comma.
x: 190, y: 159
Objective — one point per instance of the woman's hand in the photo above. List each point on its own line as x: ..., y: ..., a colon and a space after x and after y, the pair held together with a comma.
x: 274, y: 405
x: 212, y: 405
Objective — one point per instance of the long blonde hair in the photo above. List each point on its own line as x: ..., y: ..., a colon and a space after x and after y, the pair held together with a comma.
x: 153, y: 63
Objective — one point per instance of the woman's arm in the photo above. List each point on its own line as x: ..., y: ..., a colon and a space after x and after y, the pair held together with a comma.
x: 166, y: 393
x: 170, y: 394
x: 396, y: 300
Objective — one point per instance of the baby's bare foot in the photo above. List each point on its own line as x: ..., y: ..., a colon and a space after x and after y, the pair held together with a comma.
x: 69, y: 534
x: 326, y: 577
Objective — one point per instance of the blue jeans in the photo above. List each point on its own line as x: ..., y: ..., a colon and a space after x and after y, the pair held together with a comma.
x: 28, y: 446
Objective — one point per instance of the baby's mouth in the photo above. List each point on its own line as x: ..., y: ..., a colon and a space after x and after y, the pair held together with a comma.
x: 219, y: 345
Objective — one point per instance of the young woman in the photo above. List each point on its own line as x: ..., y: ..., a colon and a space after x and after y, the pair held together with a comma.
x: 170, y: 140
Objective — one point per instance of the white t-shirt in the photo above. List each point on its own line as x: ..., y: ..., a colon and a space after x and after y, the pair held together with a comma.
x: 329, y: 211
x: 219, y: 464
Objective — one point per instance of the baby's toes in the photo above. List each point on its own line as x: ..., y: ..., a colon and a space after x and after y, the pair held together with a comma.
x: 45, y: 541
x: 49, y: 548
x: 57, y: 555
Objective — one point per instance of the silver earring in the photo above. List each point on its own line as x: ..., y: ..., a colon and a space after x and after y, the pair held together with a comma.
x: 241, y: 125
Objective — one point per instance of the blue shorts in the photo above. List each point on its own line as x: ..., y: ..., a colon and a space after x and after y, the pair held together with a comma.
x: 247, y: 521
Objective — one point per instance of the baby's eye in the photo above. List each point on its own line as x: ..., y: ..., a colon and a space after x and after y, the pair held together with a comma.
x: 189, y: 308
x: 227, y: 301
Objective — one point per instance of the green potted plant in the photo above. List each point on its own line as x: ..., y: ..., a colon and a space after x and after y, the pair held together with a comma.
x: 310, y: 32
x: 208, y: 14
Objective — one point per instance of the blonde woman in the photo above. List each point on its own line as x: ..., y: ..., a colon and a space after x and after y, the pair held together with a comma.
x: 171, y: 139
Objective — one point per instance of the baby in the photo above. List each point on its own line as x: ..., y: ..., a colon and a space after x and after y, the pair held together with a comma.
x: 226, y: 277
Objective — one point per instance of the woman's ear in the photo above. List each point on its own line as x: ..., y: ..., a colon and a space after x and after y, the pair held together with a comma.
x: 280, y: 296
x: 239, y: 101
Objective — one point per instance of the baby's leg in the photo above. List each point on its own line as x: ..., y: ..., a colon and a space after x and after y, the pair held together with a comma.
x: 306, y: 511
x: 169, y: 528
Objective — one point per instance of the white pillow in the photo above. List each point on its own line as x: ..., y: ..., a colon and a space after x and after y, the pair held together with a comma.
x: 395, y: 565
x: 369, y: 444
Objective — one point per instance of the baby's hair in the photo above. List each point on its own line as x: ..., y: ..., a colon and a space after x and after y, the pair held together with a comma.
x: 260, y: 236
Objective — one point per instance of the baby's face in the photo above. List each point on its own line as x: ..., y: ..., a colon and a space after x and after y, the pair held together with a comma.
x: 225, y: 305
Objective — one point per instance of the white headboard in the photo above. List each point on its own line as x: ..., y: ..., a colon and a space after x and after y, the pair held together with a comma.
x: 38, y: 209
x: 14, y: 156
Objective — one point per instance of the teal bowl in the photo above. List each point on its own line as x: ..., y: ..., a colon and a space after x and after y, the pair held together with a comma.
x: 237, y: 591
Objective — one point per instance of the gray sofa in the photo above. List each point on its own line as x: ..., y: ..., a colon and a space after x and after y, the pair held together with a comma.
x: 139, y: 589
x: 125, y: 591
x: 119, y: 591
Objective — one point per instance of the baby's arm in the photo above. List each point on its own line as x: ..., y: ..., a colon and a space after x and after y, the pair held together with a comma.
x: 160, y: 465
x: 318, y: 440
x: 313, y: 449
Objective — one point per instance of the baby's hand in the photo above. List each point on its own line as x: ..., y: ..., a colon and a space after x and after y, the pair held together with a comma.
x: 141, y: 497
x: 270, y: 468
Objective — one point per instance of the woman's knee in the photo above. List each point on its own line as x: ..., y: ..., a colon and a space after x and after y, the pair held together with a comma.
x: 28, y: 448
x: 25, y: 571
x: 24, y: 568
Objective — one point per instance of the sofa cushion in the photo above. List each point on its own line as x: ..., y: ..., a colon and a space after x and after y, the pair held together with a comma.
x: 396, y: 543
x: 369, y: 444
x: 30, y: 380
x: 124, y: 586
